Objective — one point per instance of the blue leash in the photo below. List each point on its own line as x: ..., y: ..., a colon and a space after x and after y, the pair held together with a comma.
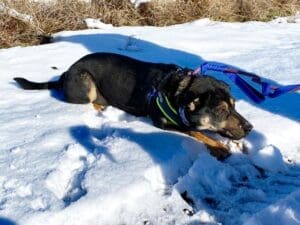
x: 267, y: 90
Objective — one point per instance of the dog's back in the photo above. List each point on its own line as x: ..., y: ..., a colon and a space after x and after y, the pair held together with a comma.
x: 108, y: 78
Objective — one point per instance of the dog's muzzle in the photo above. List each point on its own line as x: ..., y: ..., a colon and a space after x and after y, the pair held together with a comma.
x: 236, y: 127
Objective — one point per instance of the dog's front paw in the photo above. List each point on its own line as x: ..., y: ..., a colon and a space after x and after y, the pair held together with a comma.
x: 221, y: 152
x: 98, y: 107
x: 237, y: 146
x: 216, y: 148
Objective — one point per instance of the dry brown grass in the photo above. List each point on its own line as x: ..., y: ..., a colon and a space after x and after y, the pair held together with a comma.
x: 167, y: 12
x: 70, y: 14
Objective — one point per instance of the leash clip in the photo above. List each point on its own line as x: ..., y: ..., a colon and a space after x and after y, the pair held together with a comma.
x: 194, y: 73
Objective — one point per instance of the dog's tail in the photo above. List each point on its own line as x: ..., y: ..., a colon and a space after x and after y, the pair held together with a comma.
x: 29, y: 85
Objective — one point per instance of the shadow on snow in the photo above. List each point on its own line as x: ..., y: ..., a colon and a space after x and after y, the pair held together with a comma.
x: 247, y: 189
x: 5, y: 221
x: 174, y: 143
x: 146, y: 51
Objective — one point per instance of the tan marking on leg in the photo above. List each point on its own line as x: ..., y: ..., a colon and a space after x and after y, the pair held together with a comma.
x: 216, y: 148
x: 92, y: 94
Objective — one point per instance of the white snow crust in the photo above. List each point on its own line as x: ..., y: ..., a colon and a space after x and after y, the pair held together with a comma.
x: 66, y: 164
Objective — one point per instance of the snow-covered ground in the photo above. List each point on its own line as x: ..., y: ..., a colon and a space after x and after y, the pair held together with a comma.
x: 65, y: 164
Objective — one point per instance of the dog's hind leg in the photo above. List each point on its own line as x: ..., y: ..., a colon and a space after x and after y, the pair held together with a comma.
x: 99, y: 102
x: 79, y: 87
x: 216, y: 148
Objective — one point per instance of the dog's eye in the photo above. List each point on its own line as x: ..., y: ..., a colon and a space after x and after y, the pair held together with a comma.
x: 222, y: 111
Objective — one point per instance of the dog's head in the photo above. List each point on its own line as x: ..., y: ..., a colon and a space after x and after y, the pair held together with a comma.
x: 209, y: 106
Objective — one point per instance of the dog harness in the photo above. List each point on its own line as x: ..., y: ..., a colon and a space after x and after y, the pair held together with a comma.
x: 161, y: 101
x: 267, y: 89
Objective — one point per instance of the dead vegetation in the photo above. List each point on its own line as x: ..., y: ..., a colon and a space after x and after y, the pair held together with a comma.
x: 26, y: 22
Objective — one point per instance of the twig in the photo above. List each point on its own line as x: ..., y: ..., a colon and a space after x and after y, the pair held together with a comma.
x: 25, y: 18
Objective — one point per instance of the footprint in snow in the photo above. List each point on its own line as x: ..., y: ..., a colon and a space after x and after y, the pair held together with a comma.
x: 242, y: 185
x: 66, y: 180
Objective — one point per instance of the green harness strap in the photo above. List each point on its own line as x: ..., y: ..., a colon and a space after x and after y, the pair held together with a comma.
x: 167, y: 109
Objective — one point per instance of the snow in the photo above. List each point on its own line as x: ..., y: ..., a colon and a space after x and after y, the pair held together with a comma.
x: 15, y: 14
x: 68, y: 164
x: 286, y: 211
x: 269, y: 158
x: 138, y: 2
x: 96, y: 24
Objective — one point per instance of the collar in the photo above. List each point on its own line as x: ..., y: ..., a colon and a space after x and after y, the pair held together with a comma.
x: 182, y: 114
x: 177, y: 118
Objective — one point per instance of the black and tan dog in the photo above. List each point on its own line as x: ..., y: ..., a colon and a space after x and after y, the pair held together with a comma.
x: 140, y: 88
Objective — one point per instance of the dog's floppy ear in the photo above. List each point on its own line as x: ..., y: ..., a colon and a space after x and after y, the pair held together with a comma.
x: 224, y: 86
x: 196, y: 91
x: 183, y: 84
x: 173, y: 84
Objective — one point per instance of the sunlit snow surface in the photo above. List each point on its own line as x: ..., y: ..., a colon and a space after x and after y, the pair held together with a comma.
x: 65, y: 164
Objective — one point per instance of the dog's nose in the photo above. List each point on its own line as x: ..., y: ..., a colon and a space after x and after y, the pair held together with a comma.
x: 247, y: 127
